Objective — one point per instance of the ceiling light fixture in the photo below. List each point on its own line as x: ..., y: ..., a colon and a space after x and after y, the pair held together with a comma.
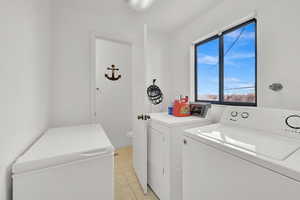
x: 140, y: 5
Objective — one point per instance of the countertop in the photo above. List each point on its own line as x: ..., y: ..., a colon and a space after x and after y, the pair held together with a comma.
x: 170, y: 120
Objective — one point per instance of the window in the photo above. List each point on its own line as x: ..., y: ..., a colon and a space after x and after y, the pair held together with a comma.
x: 225, y: 67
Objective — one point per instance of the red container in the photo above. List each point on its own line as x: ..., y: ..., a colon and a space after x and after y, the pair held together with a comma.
x: 181, y: 108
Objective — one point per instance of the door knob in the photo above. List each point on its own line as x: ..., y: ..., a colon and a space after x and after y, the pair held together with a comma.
x: 147, y: 117
x: 140, y: 117
x: 143, y: 117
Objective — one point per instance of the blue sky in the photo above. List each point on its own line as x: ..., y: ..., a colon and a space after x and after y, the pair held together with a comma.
x: 239, y: 63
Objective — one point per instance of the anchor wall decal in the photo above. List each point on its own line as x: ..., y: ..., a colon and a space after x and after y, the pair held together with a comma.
x: 113, y: 76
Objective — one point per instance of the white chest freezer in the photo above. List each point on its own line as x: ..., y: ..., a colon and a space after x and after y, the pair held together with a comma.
x: 69, y: 163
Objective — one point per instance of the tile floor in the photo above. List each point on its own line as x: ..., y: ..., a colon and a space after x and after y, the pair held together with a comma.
x: 126, y: 183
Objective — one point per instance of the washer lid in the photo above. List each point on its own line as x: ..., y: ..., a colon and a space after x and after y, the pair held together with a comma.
x: 258, y: 142
x: 63, y: 145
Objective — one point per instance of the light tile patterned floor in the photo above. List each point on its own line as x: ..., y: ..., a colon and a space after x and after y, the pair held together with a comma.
x: 126, y: 183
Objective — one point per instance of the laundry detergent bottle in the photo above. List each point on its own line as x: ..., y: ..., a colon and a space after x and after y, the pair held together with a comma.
x: 181, y: 107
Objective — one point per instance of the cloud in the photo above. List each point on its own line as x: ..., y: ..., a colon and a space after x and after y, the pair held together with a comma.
x: 236, y: 86
x: 233, y: 82
x: 245, y: 85
x: 208, y: 60
x: 234, y: 55
x: 245, y: 35
x: 232, y: 79
x: 235, y: 59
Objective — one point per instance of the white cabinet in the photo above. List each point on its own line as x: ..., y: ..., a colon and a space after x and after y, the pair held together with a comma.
x: 165, y: 134
x: 156, y: 160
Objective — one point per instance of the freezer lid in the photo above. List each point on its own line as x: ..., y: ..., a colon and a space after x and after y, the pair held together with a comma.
x: 258, y: 142
x: 63, y: 145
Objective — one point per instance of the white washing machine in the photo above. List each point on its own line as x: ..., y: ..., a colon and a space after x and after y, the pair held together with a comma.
x: 252, y: 154
x: 70, y: 163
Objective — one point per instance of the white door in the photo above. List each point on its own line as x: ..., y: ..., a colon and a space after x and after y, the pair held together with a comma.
x: 140, y: 108
x: 114, y: 97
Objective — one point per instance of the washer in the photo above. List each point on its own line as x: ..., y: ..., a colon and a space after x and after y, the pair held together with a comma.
x: 252, y: 153
x: 69, y: 163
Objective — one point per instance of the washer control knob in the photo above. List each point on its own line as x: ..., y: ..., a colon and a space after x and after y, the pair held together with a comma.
x: 245, y: 115
x: 234, y: 114
x: 293, y: 121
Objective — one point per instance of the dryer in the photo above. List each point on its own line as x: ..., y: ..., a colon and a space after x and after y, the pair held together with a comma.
x: 252, y: 153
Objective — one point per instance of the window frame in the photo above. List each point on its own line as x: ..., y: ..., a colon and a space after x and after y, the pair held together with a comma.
x: 221, y: 66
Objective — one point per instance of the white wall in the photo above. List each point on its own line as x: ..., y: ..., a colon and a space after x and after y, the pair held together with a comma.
x: 159, y: 68
x: 74, y: 21
x: 24, y: 83
x: 278, y: 42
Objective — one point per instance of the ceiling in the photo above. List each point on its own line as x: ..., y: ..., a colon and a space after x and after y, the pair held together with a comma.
x: 163, y: 15
x: 169, y: 15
